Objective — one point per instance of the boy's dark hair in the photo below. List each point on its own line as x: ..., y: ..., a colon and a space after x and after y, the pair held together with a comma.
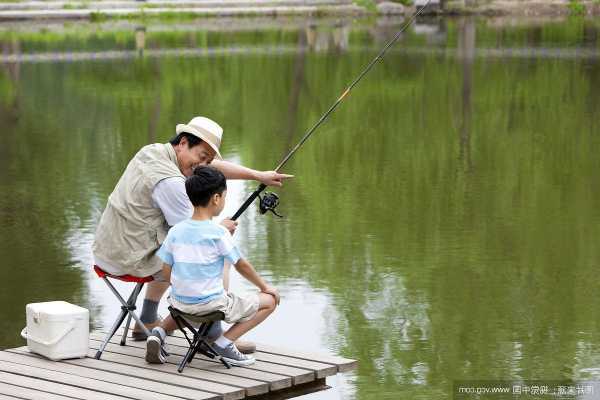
x: 203, y: 184
x: 191, y: 139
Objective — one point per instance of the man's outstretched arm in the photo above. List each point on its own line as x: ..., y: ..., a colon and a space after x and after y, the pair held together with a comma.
x: 235, y: 171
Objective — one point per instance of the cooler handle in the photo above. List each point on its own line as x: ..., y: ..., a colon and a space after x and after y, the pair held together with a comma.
x: 26, y: 336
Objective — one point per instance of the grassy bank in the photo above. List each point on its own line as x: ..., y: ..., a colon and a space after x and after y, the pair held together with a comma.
x: 100, y: 11
x: 518, y: 7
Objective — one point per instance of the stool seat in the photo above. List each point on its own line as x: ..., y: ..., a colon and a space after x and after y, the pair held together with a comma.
x: 211, y: 317
x: 125, y: 278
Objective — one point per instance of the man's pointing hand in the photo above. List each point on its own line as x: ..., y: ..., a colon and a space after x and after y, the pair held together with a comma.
x: 272, y: 178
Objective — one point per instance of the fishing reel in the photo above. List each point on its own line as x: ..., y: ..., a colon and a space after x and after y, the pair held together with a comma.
x: 268, y: 202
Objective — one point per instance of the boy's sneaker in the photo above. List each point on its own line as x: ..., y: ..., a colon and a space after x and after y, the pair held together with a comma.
x: 232, y: 355
x: 155, y: 348
x: 216, y: 330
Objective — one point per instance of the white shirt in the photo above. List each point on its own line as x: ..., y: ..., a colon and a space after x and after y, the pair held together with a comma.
x: 170, y: 196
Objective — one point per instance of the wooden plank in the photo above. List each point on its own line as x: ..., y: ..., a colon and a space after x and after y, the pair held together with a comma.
x: 343, y: 364
x: 79, y: 381
x: 204, y: 380
x: 163, y: 386
x: 29, y: 394
x: 321, y: 370
x: 124, y: 364
x: 295, y: 391
x: 137, y: 370
x: 159, y: 371
x: 274, y: 381
x: 249, y: 386
x: 123, y: 373
x: 201, y: 369
x: 53, y: 387
x: 298, y: 375
x: 286, y: 393
x: 6, y: 397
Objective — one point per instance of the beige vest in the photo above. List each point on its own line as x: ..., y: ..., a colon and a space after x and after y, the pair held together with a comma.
x: 131, y: 228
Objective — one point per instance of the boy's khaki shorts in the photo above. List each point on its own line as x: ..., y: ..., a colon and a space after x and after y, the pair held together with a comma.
x: 236, y: 308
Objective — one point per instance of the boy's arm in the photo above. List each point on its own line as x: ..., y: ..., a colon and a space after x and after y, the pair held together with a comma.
x: 166, y: 270
x: 247, y: 271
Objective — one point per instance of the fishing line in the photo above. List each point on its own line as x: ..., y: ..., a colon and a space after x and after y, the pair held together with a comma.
x: 269, y: 201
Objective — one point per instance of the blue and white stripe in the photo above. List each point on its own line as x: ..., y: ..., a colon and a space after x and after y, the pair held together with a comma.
x: 196, y: 251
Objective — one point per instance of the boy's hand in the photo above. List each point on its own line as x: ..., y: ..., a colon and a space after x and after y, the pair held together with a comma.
x: 273, y: 292
x: 230, y: 225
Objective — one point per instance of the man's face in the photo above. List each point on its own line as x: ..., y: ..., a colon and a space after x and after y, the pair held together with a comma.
x: 189, y: 159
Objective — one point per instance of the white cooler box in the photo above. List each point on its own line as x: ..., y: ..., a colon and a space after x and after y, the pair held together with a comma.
x: 57, y: 330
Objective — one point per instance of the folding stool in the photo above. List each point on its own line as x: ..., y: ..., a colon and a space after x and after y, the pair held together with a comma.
x: 198, y: 343
x: 127, y: 307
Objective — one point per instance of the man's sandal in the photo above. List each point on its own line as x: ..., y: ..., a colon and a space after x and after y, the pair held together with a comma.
x: 245, y: 347
x: 137, y: 334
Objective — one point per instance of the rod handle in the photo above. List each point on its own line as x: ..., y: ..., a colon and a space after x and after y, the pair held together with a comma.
x: 249, y: 201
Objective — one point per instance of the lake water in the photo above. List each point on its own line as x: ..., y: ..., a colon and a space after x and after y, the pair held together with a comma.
x: 443, y: 224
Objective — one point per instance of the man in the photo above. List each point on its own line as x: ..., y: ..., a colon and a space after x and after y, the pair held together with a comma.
x: 150, y: 197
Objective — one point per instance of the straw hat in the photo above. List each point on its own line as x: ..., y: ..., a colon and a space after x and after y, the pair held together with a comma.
x: 206, y: 129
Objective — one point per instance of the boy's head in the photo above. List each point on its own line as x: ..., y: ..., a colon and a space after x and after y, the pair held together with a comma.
x: 207, y: 188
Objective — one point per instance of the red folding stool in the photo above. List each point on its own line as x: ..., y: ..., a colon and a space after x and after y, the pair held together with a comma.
x: 127, y: 307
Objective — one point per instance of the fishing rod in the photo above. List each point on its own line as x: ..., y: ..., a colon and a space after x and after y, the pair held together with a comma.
x: 270, y: 200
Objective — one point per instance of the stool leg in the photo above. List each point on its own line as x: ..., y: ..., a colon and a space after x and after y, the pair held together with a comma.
x: 199, y: 338
x: 204, y: 328
x: 124, y: 303
x: 202, y: 332
x: 126, y: 329
x: 112, y: 331
x: 131, y: 306
x: 194, y: 344
x: 196, y: 348
x: 188, y: 357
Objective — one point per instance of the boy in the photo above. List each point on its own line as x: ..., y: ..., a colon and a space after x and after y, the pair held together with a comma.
x: 194, y: 253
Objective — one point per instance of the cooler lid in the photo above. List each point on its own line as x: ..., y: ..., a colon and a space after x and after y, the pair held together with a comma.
x: 56, y: 309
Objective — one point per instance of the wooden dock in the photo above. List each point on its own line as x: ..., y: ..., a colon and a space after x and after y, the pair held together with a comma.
x: 122, y: 373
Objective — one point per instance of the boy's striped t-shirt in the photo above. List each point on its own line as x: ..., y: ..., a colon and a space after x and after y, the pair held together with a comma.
x: 196, y: 251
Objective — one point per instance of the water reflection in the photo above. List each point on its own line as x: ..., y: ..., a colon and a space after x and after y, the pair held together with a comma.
x: 140, y: 40
x: 440, y: 226
x: 466, y: 51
